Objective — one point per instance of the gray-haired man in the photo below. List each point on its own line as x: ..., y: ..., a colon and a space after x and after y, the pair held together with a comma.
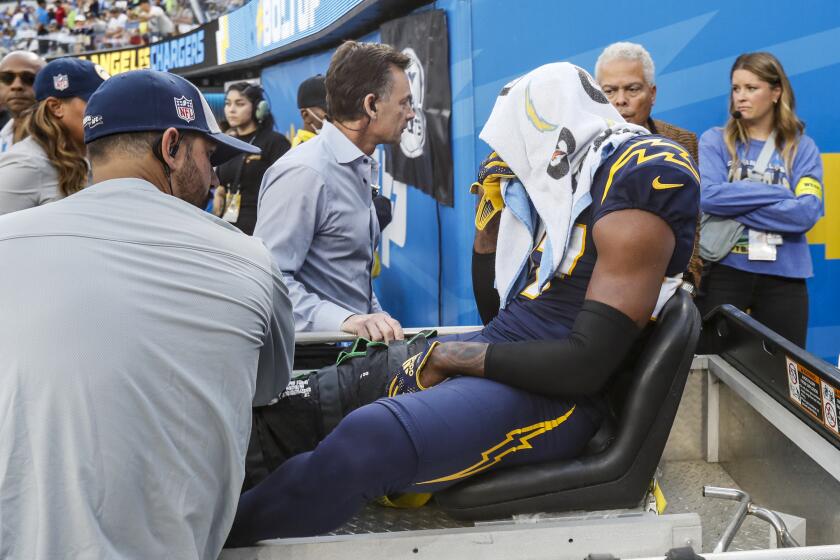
x: 626, y: 73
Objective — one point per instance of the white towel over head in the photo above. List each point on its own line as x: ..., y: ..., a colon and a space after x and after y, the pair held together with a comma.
x: 553, y: 127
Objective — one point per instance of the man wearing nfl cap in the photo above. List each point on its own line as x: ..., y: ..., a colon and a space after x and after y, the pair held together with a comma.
x: 137, y: 331
x: 49, y: 164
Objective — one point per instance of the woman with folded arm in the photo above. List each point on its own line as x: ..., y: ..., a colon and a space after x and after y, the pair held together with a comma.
x: 762, y: 172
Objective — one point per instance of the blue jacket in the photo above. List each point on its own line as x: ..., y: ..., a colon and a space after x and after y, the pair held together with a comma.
x: 786, y: 203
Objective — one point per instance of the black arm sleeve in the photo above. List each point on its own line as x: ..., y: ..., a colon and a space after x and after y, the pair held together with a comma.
x: 579, y: 365
x: 483, y: 277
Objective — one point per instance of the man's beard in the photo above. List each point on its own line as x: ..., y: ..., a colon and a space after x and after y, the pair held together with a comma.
x: 189, y: 184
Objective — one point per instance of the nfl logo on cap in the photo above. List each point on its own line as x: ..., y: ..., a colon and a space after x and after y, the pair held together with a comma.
x: 184, y: 108
x: 61, y: 82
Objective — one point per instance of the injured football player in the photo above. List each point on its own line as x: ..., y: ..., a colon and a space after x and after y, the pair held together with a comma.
x: 597, y: 222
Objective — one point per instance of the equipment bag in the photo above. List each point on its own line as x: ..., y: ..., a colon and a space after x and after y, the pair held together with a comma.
x: 313, y: 405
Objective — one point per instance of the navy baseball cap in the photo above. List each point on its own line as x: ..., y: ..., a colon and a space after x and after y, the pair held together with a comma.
x: 69, y: 77
x: 148, y: 100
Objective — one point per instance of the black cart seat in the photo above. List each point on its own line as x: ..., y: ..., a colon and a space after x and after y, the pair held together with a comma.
x: 619, y: 464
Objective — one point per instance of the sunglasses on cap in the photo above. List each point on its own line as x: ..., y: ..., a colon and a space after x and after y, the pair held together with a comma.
x: 8, y: 78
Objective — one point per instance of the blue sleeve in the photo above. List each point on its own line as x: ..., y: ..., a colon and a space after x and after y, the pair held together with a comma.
x: 718, y: 196
x: 799, y: 213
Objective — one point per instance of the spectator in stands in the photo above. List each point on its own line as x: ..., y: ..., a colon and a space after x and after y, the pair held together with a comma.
x: 160, y: 26
x: 761, y: 181
x: 50, y: 164
x: 17, y: 78
x: 72, y: 15
x: 43, y: 44
x: 215, y: 8
x: 97, y: 28
x: 60, y: 14
x: 183, y: 17
x: 312, y: 102
x: 8, y: 40
x: 626, y: 73
x: 19, y: 16
x: 135, y: 39
x: 316, y: 213
x: 42, y: 16
x: 22, y: 30
x: 126, y: 441
x: 115, y: 33
x: 250, y: 120
x: 84, y: 34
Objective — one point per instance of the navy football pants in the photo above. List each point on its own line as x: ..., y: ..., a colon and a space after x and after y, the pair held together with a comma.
x: 420, y: 442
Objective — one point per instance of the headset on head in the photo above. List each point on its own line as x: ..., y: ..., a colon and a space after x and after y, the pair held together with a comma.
x: 262, y: 107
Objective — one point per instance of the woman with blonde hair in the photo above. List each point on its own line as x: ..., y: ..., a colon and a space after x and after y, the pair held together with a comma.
x: 761, y: 191
x: 50, y: 164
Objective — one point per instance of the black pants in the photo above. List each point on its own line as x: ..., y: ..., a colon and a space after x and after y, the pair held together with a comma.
x: 779, y: 303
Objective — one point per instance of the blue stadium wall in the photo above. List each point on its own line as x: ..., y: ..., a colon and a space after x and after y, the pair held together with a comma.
x: 426, y: 276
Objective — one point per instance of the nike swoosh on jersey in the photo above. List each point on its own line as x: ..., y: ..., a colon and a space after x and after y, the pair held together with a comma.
x: 660, y: 186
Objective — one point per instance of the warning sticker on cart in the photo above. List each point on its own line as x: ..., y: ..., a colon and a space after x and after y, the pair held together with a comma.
x: 831, y: 400
x: 813, y: 395
x: 793, y: 380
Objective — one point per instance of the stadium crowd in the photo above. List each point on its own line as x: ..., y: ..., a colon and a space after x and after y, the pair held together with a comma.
x: 180, y: 274
x: 56, y: 27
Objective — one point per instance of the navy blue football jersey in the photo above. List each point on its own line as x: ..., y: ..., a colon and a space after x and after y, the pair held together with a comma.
x: 649, y: 173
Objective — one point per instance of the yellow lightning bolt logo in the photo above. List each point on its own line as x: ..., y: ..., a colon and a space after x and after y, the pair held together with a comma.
x: 515, y: 440
x: 539, y: 123
x: 638, y: 150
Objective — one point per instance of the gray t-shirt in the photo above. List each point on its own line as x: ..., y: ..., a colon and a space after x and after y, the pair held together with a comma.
x: 27, y: 177
x: 135, y: 332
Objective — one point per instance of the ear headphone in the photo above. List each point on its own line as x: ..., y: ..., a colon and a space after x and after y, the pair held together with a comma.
x: 261, y: 108
x: 173, y: 149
